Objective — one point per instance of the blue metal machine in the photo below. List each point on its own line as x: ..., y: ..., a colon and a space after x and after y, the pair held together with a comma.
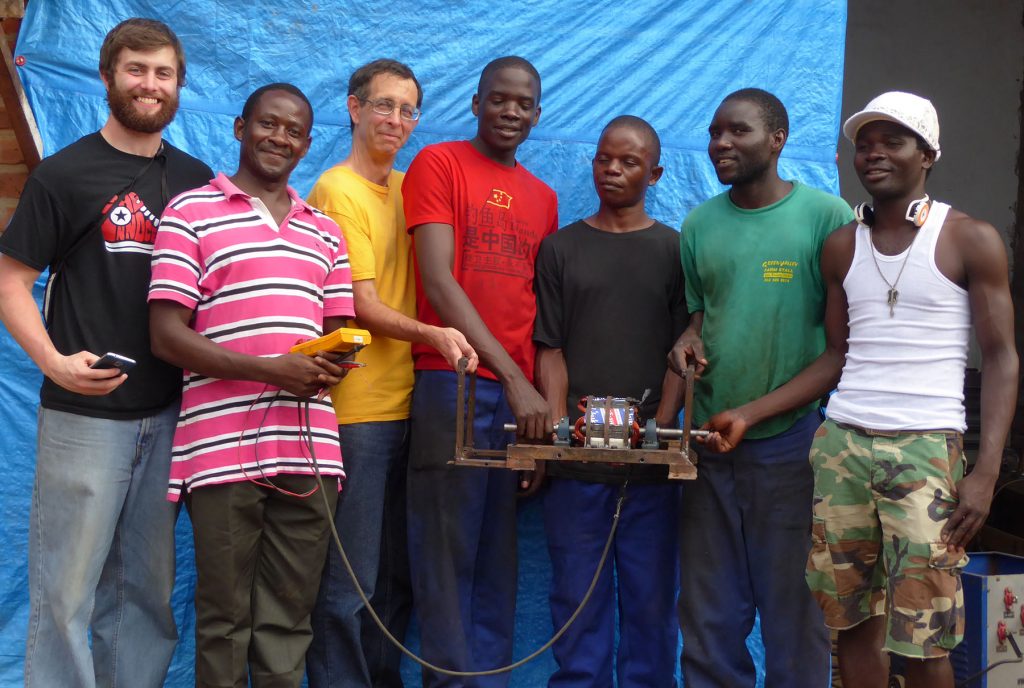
x: 994, y: 600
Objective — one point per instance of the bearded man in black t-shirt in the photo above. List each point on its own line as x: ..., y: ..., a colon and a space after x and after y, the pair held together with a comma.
x: 609, y: 307
x: 101, y: 554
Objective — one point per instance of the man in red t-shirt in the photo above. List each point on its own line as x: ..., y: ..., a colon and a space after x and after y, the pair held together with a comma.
x: 477, y: 218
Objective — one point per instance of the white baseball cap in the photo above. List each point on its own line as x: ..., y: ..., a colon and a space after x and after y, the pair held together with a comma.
x: 914, y: 112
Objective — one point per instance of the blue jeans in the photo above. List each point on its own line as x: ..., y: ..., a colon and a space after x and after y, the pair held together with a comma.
x: 462, y: 535
x: 746, y: 532
x: 101, y: 549
x: 644, y: 559
x: 348, y: 650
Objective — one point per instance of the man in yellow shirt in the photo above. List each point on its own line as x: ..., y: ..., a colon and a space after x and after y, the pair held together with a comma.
x: 363, y: 194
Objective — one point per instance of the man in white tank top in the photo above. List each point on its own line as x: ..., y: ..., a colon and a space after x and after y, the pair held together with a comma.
x: 893, y: 510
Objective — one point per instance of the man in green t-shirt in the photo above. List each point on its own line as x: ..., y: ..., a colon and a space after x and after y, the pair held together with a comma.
x: 756, y: 298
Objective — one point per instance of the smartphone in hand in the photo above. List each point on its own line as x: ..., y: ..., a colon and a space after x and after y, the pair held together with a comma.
x: 112, y: 360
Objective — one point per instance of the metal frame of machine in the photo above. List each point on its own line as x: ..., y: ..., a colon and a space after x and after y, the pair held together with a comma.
x: 605, y: 442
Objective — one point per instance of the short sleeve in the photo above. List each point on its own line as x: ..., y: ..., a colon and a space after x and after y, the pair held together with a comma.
x: 547, y: 284
x: 677, y: 296
x: 836, y: 215
x: 844, y: 213
x: 832, y: 216
x: 38, y: 232
x: 554, y: 213
x: 428, y: 190
x: 354, y: 227
x: 176, y: 267
x: 338, y: 300
x: 693, y: 289
x: 360, y: 249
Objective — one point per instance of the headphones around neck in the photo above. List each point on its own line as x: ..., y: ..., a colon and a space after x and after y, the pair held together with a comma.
x: 917, y: 212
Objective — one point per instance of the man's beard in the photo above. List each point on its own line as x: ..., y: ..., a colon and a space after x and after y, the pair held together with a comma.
x: 748, y: 171
x: 122, y: 107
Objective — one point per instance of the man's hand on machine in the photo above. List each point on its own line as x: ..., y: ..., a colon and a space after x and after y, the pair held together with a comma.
x: 727, y: 429
x: 453, y: 346
x: 530, y: 482
x: 532, y: 413
x: 304, y: 376
x: 688, y: 348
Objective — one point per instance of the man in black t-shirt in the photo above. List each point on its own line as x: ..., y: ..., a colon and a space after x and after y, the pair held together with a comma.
x: 101, y: 553
x: 609, y: 307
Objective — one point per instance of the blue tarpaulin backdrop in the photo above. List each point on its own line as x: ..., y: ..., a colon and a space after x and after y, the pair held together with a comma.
x: 669, y: 62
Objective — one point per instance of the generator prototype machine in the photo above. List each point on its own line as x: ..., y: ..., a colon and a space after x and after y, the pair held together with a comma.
x: 609, y: 431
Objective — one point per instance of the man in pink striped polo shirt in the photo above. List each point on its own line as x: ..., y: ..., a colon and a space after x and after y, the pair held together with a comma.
x: 242, y: 269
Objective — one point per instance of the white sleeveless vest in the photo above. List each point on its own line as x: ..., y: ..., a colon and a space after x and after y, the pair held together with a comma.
x: 904, y: 372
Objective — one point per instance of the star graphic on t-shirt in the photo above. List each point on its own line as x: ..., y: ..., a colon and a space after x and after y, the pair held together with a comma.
x: 120, y: 216
x: 500, y: 199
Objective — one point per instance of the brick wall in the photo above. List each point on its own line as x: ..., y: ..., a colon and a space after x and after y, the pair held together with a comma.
x: 13, y: 171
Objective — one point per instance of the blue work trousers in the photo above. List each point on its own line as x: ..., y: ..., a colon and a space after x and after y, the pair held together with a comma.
x: 746, y: 532
x: 642, y: 564
x: 348, y: 649
x: 462, y: 535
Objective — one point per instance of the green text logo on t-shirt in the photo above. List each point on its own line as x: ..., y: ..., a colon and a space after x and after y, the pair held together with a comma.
x: 778, y: 271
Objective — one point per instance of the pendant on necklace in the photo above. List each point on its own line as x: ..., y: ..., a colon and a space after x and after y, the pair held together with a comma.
x: 893, y: 295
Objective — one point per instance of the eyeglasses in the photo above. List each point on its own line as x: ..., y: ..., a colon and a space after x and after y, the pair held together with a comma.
x: 385, y: 107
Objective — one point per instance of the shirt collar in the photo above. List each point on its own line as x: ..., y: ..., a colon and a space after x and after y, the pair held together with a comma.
x: 230, y: 190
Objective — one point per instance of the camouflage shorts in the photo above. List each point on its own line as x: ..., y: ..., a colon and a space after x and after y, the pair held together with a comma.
x: 888, y: 494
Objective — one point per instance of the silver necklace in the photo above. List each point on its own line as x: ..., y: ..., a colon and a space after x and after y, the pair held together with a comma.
x: 894, y: 293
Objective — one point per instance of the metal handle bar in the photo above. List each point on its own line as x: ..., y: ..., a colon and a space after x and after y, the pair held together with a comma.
x: 665, y: 433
